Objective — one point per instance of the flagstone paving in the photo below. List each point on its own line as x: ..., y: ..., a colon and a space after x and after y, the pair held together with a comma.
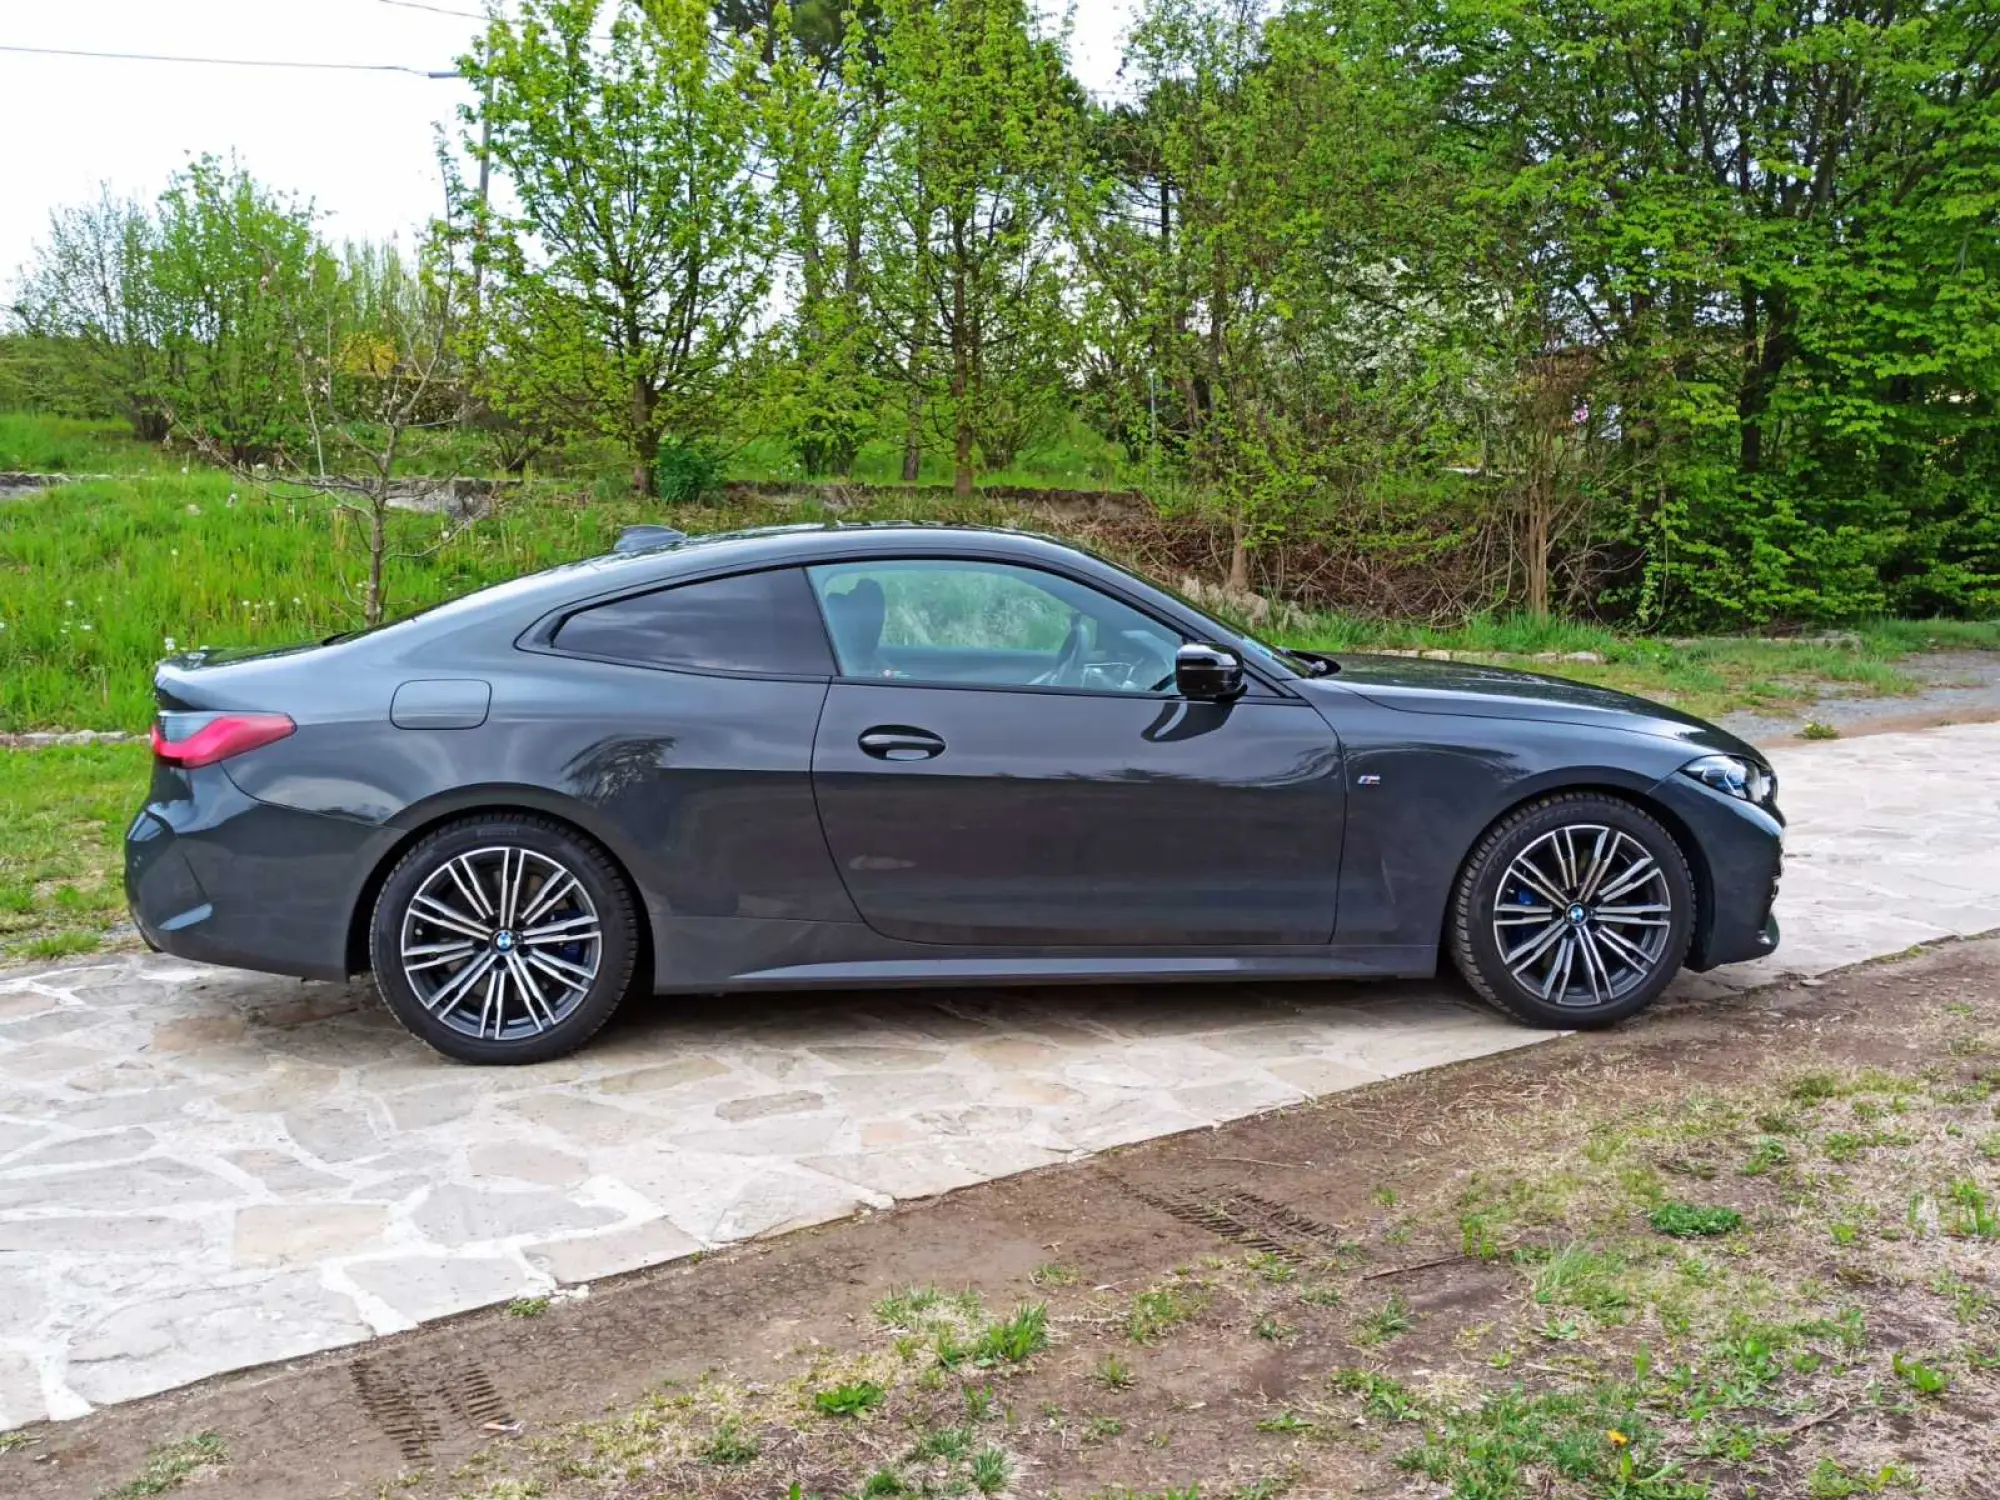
x: 202, y: 1169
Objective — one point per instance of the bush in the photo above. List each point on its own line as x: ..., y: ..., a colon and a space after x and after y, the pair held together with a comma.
x: 687, y: 473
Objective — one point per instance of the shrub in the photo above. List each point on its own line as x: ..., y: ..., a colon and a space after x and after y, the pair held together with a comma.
x: 687, y: 472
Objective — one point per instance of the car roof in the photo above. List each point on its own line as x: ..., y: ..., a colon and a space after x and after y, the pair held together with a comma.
x: 835, y: 538
x: 805, y: 543
x: 727, y: 551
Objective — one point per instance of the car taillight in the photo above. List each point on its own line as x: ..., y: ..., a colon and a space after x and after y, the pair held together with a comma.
x: 220, y: 737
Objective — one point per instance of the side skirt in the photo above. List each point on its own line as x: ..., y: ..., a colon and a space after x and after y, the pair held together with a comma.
x: 1096, y: 968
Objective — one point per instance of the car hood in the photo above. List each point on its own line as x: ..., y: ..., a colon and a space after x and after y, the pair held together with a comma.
x: 1422, y: 686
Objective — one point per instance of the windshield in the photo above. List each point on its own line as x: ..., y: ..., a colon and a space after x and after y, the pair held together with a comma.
x: 1291, y: 661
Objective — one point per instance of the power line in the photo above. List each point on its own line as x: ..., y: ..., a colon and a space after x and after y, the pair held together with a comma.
x: 231, y: 62
x: 439, y: 10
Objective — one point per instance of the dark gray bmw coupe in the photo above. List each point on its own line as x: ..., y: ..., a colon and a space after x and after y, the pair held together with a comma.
x: 863, y: 755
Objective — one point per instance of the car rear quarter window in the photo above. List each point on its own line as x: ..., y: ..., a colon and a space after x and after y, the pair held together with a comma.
x: 762, y: 622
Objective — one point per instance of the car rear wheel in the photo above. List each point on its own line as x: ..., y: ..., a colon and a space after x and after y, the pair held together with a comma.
x: 1573, y: 911
x: 504, y: 938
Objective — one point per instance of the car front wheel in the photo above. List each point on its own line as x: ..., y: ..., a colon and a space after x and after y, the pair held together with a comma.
x: 1573, y: 911
x: 503, y: 939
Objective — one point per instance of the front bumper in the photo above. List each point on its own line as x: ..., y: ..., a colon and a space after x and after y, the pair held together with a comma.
x: 214, y: 875
x: 1739, y: 851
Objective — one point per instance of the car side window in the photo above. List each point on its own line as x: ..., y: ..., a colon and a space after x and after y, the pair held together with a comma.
x: 749, y: 622
x: 962, y: 621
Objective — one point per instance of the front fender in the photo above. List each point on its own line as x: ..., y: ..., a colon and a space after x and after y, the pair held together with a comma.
x: 1422, y: 788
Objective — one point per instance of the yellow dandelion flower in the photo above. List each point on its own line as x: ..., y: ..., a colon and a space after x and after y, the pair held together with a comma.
x: 1618, y: 1439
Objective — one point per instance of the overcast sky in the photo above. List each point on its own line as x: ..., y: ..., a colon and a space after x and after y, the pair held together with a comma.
x: 360, y: 145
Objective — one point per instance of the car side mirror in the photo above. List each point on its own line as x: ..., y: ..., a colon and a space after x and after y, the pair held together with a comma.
x: 1210, y: 674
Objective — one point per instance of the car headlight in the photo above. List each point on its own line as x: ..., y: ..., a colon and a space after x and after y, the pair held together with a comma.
x: 1737, y: 776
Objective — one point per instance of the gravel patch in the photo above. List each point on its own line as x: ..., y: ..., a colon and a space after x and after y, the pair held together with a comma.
x: 1961, y: 687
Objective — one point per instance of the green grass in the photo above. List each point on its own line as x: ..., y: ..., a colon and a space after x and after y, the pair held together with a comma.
x: 1834, y: 1481
x: 171, y: 1465
x: 1690, y: 1221
x: 1919, y: 1375
x: 1596, y: 1439
x: 1013, y: 1340
x: 60, y: 844
x: 36, y: 444
x: 1113, y: 1373
x: 1382, y: 1323
x: 1579, y: 1277
x: 849, y: 1400
x: 1159, y: 1310
x: 731, y: 1445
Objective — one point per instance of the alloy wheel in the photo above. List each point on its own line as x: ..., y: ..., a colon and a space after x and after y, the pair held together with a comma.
x: 1583, y: 916
x: 501, y: 943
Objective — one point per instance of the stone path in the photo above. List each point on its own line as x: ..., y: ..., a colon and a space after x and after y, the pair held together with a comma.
x: 202, y: 1170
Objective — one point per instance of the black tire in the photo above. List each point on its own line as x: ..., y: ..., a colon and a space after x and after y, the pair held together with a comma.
x: 1490, y: 873
x: 541, y: 849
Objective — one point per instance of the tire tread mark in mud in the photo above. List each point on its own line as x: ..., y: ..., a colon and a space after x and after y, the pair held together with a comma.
x: 470, y: 1393
x: 387, y: 1397
x: 1245, y: 1218
x: 412, y: 1406
x: 1246, y: 1204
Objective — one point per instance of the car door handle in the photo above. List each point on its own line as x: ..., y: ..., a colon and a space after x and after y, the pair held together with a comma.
x: 900, y: 742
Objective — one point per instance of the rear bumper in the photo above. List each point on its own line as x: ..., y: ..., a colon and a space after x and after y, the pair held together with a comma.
x: 1740, y: 852
x: 214, y: 875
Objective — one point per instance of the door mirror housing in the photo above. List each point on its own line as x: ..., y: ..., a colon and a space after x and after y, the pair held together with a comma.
x: 1210, y: 674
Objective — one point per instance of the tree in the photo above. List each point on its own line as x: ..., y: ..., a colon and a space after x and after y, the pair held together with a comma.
x: 228, y: 265
x: 981, y: 141
x: 822, y: 117
x: 374, y: 362
x: 628, y: 244
x: 1771, y: 227
x: 177, y: 317
x: 824, y: 31
x: 86, y: 291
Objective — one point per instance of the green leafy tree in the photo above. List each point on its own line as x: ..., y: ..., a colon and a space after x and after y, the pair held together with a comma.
x: 84, y: 306
x: 1771, y: 228
x: 627, y: 242
x: 820, y: 127
x: 981, y: 142
x: 178, y: 317
x: 228, y: 267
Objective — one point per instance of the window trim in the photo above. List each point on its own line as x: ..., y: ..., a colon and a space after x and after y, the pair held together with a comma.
x: 1278, y: 692
x: 540, y: 637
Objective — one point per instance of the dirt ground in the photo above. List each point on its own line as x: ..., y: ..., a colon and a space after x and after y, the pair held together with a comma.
x: 1450, y: 1284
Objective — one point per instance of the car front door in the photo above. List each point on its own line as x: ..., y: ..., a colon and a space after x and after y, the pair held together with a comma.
x: 1004, y: 760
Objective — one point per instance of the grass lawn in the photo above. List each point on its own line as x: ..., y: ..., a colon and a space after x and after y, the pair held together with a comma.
x: 65, y: 811
x: 33, y: 443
